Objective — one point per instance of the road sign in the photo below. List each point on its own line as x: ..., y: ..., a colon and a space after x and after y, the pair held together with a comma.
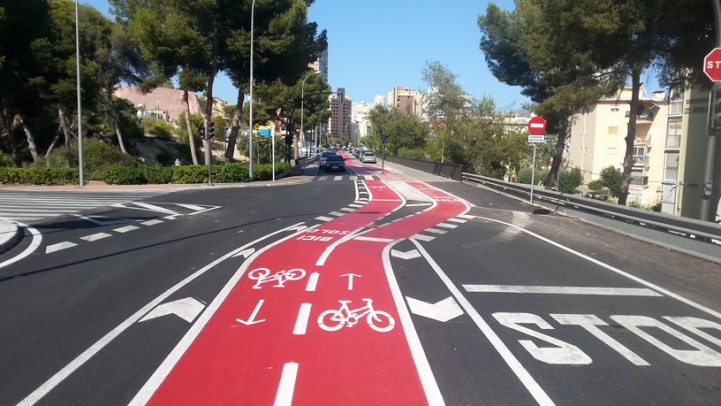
x: 712, y: 65
x: 537, y: 125
x: 536, y: 139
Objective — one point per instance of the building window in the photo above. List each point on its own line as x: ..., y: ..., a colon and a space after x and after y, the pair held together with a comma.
x: 670, y: 171
x: 675, y: 107
x: 638, y: 177
x: 615, y: 108
x: 613, y: 130
x: 611, y: 151
x: 639, y: 155
x: 673, y: 133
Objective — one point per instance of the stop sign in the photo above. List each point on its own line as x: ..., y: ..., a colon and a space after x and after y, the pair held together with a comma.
x: 537, y: 125
x: 712, y: 65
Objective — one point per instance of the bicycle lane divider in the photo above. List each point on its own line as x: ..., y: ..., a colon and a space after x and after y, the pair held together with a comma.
x: 259, y: 342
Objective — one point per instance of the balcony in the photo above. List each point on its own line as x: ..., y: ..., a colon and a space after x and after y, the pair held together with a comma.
x: 639, y: 180
x: 645, y: 117
x: 640, y: 160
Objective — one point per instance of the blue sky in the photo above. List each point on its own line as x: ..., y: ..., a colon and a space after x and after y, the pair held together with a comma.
x: 375, y: 45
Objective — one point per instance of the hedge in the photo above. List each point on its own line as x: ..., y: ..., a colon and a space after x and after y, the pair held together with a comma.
x: 39, y: 176
x: 139, y: 175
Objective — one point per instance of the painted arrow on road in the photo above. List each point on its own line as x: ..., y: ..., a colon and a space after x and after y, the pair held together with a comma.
x: 405, y: 255
x: 446, y: 309
x: 187, y: 309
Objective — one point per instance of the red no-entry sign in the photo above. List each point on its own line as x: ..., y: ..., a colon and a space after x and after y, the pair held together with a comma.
x: 712, y: 65
x: 537, y: 125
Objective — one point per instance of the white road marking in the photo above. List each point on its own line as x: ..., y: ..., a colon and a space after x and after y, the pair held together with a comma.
x: 81, y: 359
x: 59, y: 246
x: 523, y: 375
x: 561, y: 290
x: 152, y: 222
x: 301, y: 322
x: 457, y: 220
x: 95, y: 237
x: 405, y: 255
x: 284, y: 396
x: 125, y: 229
x: 430, y: 386
x: 443, y: 311
x: 347, y: 209
x: 373, y: 239
x: 434, y: 231
x: 446, y: 225
x: 337, y: 214
x: 187, y: 309
x: 312, y: 282
x: 323, y: 218
x: 422, y: 237
x: 36, y: 241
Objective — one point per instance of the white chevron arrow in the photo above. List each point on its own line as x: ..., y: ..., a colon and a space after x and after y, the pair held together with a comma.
x: 446, y: 309
x: 187, y: 309
x: 405, y: 255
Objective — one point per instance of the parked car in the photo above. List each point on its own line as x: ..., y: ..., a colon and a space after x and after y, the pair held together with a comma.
x: 368, y: 156
x: 334, y: 162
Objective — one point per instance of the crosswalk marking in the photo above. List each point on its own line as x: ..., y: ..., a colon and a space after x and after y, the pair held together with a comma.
x: 33, y: 206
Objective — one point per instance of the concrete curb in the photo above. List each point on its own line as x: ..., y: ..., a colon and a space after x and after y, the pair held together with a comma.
x: 9, y: 234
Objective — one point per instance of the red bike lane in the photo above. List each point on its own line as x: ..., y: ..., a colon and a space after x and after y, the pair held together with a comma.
x: 311, y: 320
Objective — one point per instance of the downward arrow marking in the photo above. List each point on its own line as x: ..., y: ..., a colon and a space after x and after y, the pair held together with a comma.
x: 251, y: 319
x: 446, y: 309
x: 187, y: 309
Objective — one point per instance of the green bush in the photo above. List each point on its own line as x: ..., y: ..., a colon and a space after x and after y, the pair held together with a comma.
x: 158, y: 175
x: 6, y: 160
x: 596, y: 184
x: 161, y: 130
x: 524, y: 176
x: 190, y: 174
x: 39, y: 176
x: 611, y: 178
x: 570, y: 180
x: 124, y: 175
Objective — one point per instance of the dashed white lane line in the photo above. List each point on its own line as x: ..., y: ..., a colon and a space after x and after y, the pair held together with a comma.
x: 126, y: 229
x: 95, y: 237
x: 59, y: 246
x: 151, y: 222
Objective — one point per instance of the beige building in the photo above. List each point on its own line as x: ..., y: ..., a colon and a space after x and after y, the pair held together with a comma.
x: 598, y: 135
x: 406, y: 100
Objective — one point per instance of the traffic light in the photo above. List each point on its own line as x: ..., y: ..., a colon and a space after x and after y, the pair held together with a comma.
x: 383, y: 136
x: 211, y: 129
x: 201, y: 131
x: 715, y: 108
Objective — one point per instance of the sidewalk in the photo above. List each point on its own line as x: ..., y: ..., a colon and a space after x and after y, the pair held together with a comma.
x: 9, y: 233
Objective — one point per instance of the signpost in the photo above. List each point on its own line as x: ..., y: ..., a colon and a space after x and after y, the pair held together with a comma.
x: 712, y: 69
x: 536, y: 126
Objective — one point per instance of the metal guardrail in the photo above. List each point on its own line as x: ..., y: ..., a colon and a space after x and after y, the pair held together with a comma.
x: 701, y: 231
x: 451, y: 171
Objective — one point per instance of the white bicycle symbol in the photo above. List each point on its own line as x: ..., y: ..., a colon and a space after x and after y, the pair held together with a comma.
x: 262, y: 275
x: 334, y: 320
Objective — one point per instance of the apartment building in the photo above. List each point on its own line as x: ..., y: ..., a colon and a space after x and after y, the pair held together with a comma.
x: 406, y: 100
x: 340, y: 115
x: 360, y: 122
x: 598, y: 135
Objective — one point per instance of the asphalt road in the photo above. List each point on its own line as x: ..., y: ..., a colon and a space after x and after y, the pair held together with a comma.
x: 351, y: 288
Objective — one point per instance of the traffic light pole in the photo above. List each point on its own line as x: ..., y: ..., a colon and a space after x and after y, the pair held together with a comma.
x: 708, y: 190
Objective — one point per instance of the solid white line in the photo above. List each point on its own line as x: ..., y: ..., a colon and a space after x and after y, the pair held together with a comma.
x: 523, y: 375
x: 155, y: 208
x: 126, y: 229
x: 387, y: 200
x: 95, y: 237
x: 191, y: 206
x: 419, y: 204
x: 81, y: 359
x: 301, y: 323
x: 37, y: 240
x: 561, y: 290
x: 456, y: 220
x: 284, y: 396
x: 425, y: 373
x: 612, y: 269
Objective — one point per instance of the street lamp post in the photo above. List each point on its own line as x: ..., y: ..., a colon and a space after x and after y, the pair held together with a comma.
x: 302, y: 95
x: 250, y: 121
x: 80, y: 113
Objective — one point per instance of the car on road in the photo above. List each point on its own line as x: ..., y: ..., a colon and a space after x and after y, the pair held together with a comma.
x: 368, y: 157
x: 323, y: 157
x: 334, y: 162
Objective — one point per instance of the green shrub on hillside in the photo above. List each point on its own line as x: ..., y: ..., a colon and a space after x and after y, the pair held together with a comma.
x: 39, y: 176
x: 570, y: 180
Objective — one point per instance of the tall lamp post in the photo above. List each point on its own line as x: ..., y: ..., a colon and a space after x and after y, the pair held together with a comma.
x: 250, y: 137
x: 302, y: 95
x: 80, y: 113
